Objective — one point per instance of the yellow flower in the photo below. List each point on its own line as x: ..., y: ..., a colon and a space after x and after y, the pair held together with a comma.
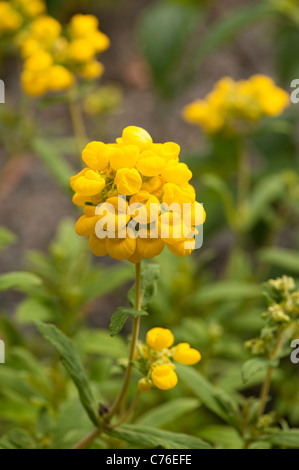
x: 30, y: 8
x: 133, y: 229
x: 34, y: 85
x: 186, y: 355
x: 82, y: 25
x: 92, y: 70
x: 10, y: 19
x: 46, y: 29
x: 60, y: 78
x: 123, y: 157
x: 136, y: 136
x: 95, y: 156
x: 232, y: 106
x: 177, y: 173
x: 81, y: 50
x: 159, y: 338
x: 150, y: 164
x: 164, y: 377
x: 98, y: 245
x: 38, y: 61
x: 128, y: 181
x: 88, y: 183
x: 121, y: 248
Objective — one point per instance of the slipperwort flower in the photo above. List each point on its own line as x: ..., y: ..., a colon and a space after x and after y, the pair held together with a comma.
x: 16, y: 13
x: 54, y: 58
x: 233, y: 105
x: 137, y: 198
x: 155, y: 358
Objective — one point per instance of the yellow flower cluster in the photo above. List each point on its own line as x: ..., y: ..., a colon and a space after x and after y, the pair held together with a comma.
x: 141, y: 175
x: 155, y: 356
x: 233, y: 105
x: 14, y: 14
x: 53, y: 57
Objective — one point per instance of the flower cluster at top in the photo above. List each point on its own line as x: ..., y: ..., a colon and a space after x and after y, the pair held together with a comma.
x: 155, y: 359
x: 232, y: 106
x: 18, y: 13
x: 129, y: 181
x: 54, y: 57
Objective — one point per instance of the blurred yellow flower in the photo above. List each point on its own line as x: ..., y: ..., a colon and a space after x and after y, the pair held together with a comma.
x: 73, y: 52
x: 232, y: 106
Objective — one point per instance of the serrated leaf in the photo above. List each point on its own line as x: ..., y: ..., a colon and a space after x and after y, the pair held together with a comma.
x: 255, y: 365
x: 120, y: 317
x: 19, y: 280
x: 72, y: 364
x: 148, y: 437
x: 148, y: 287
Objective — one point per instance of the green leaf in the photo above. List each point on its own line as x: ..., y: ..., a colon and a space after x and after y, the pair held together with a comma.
x: 120, y: 317
x: 100, y: 342
x: 19, y: 280
x: 6, y: 238
x: 225, y: 30
x: 148, y: 437
x: 72, y: 364
x: 213, y: 398
x: 225, y: 290
x: 287, y: 260
x: 255, y: 365
x: 225, y: 436
x: 53, y: 161
x: 106, y: 281
x: 168, y: 412
x: 31, y: 310
x: 148, y: 287
x: 270, y: 189
x: 222, y: 189
x: 286, y: 438
x: 164, y: 31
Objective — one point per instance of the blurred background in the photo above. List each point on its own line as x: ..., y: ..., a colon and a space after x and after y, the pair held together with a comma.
x: 163, y: 55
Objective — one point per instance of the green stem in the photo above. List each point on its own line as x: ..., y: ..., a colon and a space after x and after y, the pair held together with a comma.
x: 265, y: 391
x: 267, y: 383
x: 243, y: 178
x: 135, y: 332
x: 127, y: 414
x: 86, y: 441
x: 78, y: 124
